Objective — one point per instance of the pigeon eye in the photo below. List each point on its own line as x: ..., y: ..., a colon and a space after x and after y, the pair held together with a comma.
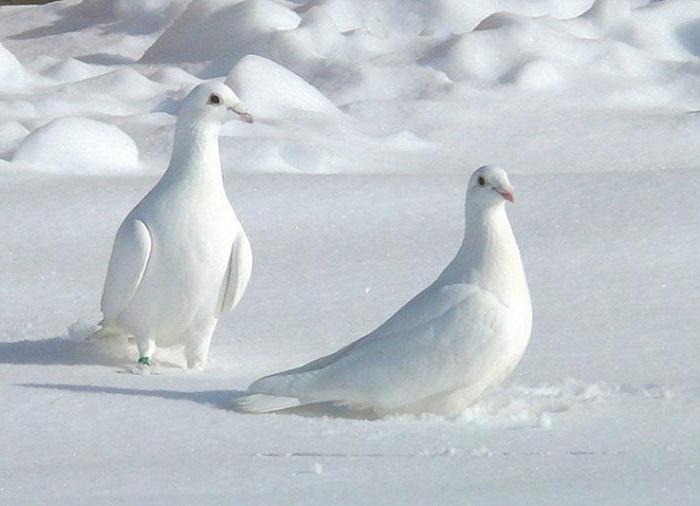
x: 482, y: 181
x: 214, y: 99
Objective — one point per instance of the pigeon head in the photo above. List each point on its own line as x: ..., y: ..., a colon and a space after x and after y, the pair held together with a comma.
x: 213, y: 103
x: 489, y: 186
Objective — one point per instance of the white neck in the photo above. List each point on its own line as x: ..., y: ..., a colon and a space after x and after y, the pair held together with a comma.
x: 195, y: 160
x: 489, y: 256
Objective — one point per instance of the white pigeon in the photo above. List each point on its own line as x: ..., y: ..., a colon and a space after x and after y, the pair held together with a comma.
x: 181, y: 258
x: 443, y: 350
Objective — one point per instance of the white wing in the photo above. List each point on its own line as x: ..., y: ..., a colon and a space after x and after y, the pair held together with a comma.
x: 426, y: 351
x: 130, y: 254
x: 238, y: 273
x: 424, y: 307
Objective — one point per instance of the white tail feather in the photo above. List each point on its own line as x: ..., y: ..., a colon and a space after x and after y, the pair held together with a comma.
x: 106, y: 332
x: 261, y: 403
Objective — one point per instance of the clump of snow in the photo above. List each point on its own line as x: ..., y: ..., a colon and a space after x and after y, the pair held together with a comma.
x: 81, y: 330
x: 537, y: 74
x: 481, y: 451
x: 545, y: 421
x: 448, y: 451
x: 11, y: 71
x: 270, y: 90
x: 518, y: 406
x: 78, y: 145
x: 11, y: 135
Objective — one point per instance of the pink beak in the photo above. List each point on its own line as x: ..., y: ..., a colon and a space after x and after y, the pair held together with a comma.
x: 508, y: 195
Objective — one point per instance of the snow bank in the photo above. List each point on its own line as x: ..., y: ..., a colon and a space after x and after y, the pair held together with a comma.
x: 210, y: 29
x: 78, y: 145
x: 436, y: 85
x: 270, y: 90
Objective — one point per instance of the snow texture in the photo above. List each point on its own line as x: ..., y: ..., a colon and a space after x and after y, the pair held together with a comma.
x: 351, y: 188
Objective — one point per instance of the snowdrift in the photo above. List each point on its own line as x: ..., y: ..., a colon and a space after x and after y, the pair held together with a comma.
x: 457, y: 82
x: 78, y: 145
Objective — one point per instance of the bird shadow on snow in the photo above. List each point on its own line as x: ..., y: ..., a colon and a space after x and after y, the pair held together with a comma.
x: 76, y: 347
x: 217, y: 398
x: 222, y: 399
x: 57, y: 351
x: 514, y: 407
x: 97, y: 14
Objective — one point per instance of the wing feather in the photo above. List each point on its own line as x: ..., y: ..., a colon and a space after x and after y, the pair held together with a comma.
x: 130, y: 255
x: 238, y: 273
x: 424, y: 346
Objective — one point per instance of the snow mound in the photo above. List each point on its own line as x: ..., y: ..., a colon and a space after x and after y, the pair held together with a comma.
x: 608, y: 41
x: 211, y: 29
x: 518, y: 406
x: 11, y: 71
x: 148, y: 11
x: 271, y: 90
x: 495, y: 50
x: 76, y: 145
x: 11, y: 135
x: 71, y: 70
x: 126, y: 85
x: 608, y: 13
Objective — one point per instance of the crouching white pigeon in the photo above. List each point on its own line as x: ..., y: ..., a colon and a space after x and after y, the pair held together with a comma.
x: 181, y: 258
x: 459, y: 337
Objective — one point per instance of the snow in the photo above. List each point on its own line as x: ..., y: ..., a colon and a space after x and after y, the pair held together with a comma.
x: 350, y: 187
x: 269, y: 90
x: 77, y: 145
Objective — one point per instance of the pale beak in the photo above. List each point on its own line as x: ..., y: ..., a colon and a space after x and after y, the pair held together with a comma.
x: 507, y: 194
x: 245, y: 116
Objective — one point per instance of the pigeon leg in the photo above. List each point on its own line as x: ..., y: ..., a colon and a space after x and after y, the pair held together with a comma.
x: 197, y: 347
x: 146, y: 347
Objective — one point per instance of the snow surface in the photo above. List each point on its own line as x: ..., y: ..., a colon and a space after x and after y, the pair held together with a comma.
x: 370, y: 116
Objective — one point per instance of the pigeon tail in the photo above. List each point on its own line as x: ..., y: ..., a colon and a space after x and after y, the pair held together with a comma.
x: 262, y: 403
x: 108, y: 330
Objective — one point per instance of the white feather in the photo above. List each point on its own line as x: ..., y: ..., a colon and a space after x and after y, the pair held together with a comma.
x: 258, y: 403
x: 130, y: 253
x: 238, y: 274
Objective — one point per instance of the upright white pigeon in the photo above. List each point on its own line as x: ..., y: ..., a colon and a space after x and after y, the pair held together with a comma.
x: 459, y: 337
x: 181, y: 258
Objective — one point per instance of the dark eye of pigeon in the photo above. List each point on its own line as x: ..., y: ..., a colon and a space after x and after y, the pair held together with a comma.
x: 214, y: 99
x: 482, y: 181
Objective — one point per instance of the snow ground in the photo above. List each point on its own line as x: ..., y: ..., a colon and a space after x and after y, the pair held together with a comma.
x: 603, y: 407
x: 350, y: 187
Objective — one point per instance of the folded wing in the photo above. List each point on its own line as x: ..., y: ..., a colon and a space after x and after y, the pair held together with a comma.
x: 418, y: 353
x: 130, y: 255
x: 238, y: 273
